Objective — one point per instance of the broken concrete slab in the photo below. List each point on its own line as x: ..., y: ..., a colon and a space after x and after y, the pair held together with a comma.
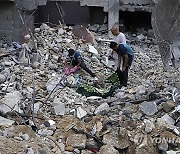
x: 80, y: 113
x: 6, y: 122
x: 10, y: 102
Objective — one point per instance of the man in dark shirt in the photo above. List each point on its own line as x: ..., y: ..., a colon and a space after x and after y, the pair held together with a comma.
x: 125, y: 58
x: 77, y: 61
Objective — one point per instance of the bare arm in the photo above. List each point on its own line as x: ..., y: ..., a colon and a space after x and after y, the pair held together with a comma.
x: 119, y: 61
x: 79, y: 63
x: 125, y: 61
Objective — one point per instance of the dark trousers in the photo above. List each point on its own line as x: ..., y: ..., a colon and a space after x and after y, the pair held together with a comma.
x: 83, y: 66
x: 123, y: 76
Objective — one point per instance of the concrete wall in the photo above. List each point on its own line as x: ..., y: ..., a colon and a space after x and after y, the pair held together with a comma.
x: 11, y: 25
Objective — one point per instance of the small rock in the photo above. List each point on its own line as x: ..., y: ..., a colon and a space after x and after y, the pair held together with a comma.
x: 77, y: 151
x: 108, y: 149
x: 2, y: 78
x: 80, y: 113
x: 141, y: 37
x: 25, y: 137
x: 59, y: 109
x: 168, y: 106
x: 167, y: 119
x: 149, y: 126
x: 18, y: 138
x: 35, y: 65
x: 102, y: 108
x: 77, y: 141
x: 148, y: 108
x: 29, y: 151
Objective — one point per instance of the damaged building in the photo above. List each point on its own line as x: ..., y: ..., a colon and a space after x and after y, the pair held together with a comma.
x: 19, y: 16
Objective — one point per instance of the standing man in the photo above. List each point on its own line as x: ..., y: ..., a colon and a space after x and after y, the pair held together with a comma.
x: 77, y: 61
x: 119, y: 37
x: 126, y: 54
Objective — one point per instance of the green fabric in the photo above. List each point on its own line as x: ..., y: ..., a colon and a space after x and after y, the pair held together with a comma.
x: 89, y: 90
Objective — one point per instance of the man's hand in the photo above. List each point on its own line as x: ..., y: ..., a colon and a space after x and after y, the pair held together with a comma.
x: 74, y: 69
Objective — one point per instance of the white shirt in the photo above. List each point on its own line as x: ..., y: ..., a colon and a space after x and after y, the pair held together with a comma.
x: 121, y: 38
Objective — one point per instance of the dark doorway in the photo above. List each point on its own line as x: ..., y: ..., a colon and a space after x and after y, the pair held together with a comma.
x: 135, y: 20
x: 69, y: 12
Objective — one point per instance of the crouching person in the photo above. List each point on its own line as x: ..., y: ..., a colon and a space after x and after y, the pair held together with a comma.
x: 77, y: 61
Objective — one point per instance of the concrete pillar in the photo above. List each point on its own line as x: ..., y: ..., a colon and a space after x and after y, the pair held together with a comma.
x: 113, y: 14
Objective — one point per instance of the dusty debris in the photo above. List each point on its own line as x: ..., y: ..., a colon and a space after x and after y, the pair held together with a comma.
x: 62, y: 121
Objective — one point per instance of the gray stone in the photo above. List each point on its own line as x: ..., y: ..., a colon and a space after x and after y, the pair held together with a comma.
x: 29, y: 151
x: 148, y: 108
x: 2, y: 78
x: 6, y: 122
x: 102, y: 108
x: 36, y: 65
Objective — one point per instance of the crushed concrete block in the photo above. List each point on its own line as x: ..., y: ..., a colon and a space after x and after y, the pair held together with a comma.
x: 148, y: 108
x: 45, y: 132
x: 77, y: 141
x: 6, y: 122
x: 59, y: 109
x: 102, y: 108
x: 80, y: 113
x: 11, y: 100
x: 108, y: 149
x: 60, y: 31
x: 92, y: 50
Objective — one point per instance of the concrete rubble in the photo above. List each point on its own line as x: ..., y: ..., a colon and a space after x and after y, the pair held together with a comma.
x: 41, y: 112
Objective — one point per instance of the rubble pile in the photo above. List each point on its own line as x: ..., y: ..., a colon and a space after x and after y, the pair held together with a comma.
x: 41, y: 112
